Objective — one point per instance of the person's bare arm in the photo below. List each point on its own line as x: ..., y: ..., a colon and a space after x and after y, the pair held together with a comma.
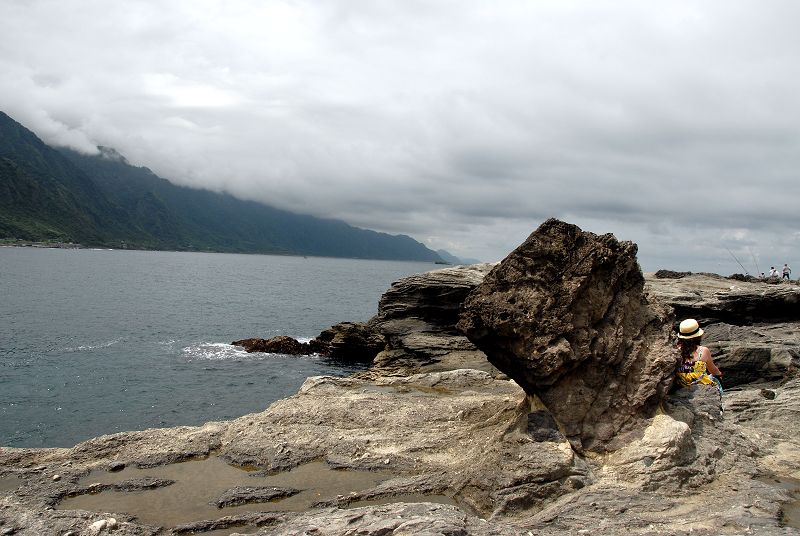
x: 712, y: 368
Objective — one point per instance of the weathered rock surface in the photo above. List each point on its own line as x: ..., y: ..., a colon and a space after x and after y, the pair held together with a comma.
x: 751, y: 328
x: 350, y: 341
x: 564, y: 315
x: 460, y: 433
x: 414, y: 330
x: 418, y: 317
x: 465, y: 435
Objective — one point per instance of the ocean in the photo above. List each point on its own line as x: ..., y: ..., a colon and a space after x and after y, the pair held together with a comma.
x: 95, y: 342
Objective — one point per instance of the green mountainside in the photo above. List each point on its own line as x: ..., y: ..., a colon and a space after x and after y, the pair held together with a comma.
x: 61, y: 195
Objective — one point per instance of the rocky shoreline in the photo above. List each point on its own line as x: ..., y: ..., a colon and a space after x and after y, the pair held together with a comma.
x: 459, y: 447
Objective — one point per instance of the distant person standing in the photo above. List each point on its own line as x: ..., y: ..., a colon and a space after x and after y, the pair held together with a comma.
x: 786, y: 271
x: 773, y: 272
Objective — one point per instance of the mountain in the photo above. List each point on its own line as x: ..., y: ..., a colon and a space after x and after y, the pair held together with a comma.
x: 102, y: 200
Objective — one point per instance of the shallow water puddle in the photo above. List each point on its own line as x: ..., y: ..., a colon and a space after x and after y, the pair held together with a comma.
x: 791, y: 509
x: 198, y: 483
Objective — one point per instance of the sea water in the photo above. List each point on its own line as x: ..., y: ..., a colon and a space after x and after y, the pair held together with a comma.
x: 96, y: 342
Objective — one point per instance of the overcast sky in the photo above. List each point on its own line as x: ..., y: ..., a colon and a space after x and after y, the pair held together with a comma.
x: 463, y: 124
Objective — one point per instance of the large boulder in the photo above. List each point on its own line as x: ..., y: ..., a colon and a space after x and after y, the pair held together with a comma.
x: 564, y: 315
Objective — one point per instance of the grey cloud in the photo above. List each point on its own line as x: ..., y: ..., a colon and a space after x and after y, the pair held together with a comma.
x: 463, y: 124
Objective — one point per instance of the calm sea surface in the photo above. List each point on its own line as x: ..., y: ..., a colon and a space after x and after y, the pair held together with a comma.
x: 97, y: 342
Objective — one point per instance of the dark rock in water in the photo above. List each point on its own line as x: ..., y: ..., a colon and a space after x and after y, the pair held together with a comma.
x: 564, y: 315
x: 252, y: 494
x: 275, y: 345
x: 346, y: 341
x: 349, y: 341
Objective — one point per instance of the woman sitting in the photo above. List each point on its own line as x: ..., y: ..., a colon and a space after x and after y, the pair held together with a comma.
x: 697, y: 366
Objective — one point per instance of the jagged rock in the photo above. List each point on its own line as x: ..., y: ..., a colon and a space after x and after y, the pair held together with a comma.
x: 714, y: 298
x: 274, y: 345
x: 349, y: 341
x: 346, y: 341
x: 564, y: 315
x: 418, y: 316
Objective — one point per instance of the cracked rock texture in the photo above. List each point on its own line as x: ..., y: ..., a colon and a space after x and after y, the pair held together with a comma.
x: 565, y: 316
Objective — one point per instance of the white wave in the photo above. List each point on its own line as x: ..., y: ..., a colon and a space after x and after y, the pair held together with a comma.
x: 216, y: 351
x: 84, y: 347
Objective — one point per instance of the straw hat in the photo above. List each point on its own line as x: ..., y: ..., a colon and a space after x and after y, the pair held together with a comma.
x: 690, y: 329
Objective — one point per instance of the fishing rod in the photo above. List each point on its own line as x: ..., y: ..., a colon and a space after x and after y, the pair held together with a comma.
x: 737, y: 262
x: 758, y: 270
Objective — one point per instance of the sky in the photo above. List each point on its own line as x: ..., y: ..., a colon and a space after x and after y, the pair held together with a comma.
x: 464, y: 124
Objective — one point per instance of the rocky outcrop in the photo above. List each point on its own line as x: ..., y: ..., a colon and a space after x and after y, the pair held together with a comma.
x: 418, y: 317
x: 504, y: 461
x: 564, y: 316
x: 346, y: 341
x: 714, y: 298
x: 752, y: 328
x: 414, y: 330
x: 459, y: 434
x: 350, y: 341
x: 275, y: 345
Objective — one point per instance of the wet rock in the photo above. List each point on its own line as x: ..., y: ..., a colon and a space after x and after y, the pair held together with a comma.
x: 346, y: 341
x: 252, y: 494
x: 349, y: 341
x: 138, y: 484
x: 134, y: 484
x: 564, y: 316
x: 275, y: 345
